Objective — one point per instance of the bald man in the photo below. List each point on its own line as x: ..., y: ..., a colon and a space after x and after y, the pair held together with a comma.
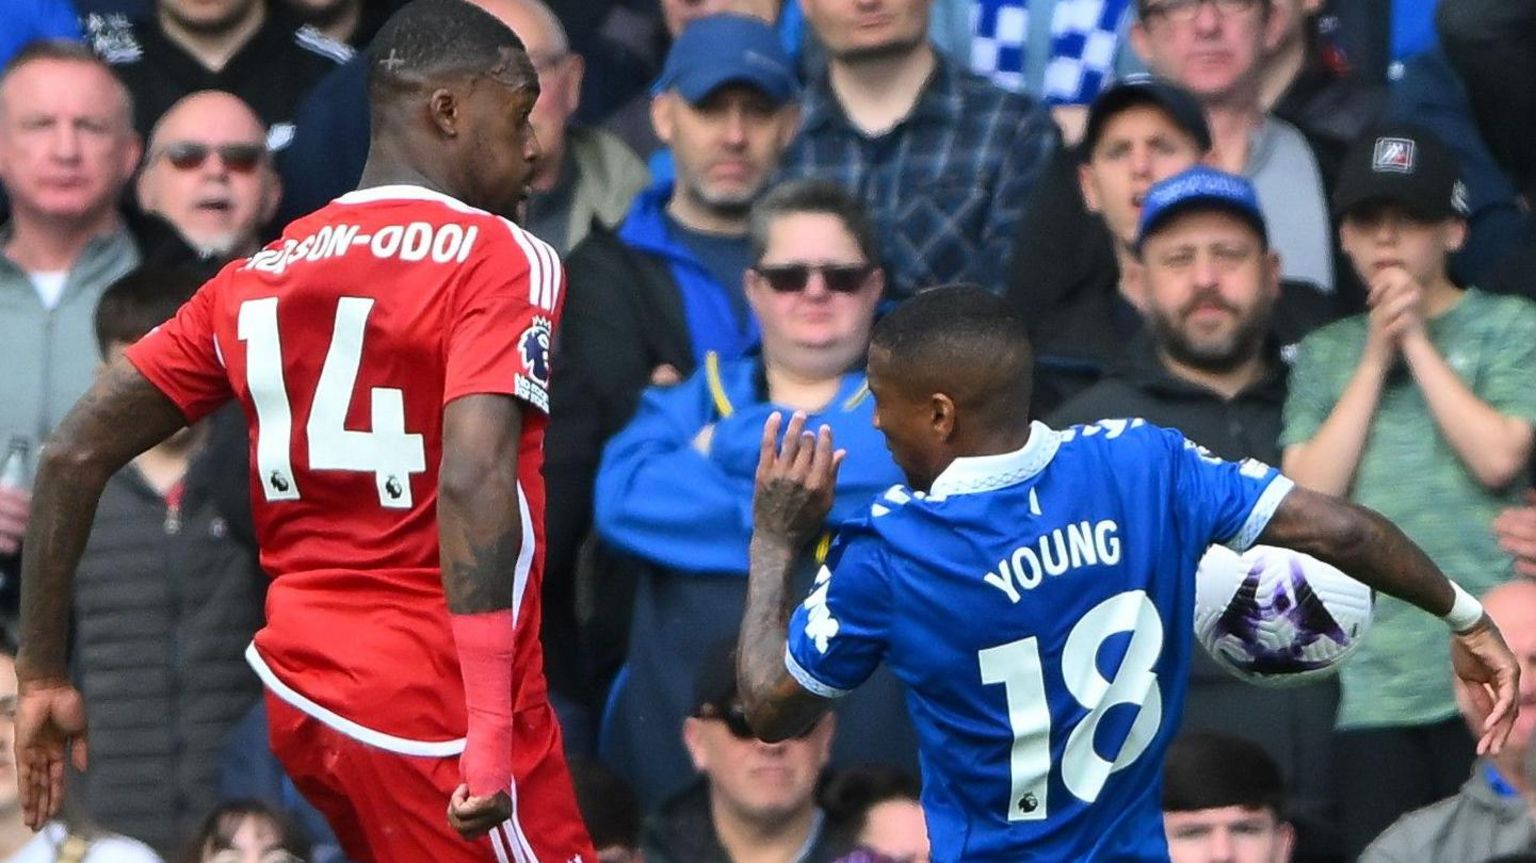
x: 391, y: 352
x: 584, y: 174
x: 209, y: 174
x: 1495, y: 813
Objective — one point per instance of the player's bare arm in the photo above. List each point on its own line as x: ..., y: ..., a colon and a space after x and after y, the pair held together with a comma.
x: 480, y: 534
x: 120, y: 417
x: 795, y: 484
x: 1372, y: 549
x: 477, y: 508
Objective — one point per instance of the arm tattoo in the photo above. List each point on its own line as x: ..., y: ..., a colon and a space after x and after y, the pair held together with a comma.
x: 777, y: 706
x: 121, y: 416
x: 479, y: 513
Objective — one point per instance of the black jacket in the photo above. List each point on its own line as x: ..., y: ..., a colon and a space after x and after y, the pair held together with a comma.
x: 1492, y: 44
x: 623, y: 317
x: 1331, y: 106
x: 681, y: 831
x: 1066, y: 285
x: 165, y: 605
x: 271, y: 72
x: 1293, y: 725
x: 1247, y: 426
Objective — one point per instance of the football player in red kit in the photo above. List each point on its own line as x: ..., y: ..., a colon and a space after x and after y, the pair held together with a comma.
x: 391, y: 353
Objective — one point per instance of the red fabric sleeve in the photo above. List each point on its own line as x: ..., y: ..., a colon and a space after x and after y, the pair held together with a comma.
x: 503, y: 316
x: 181, y: 357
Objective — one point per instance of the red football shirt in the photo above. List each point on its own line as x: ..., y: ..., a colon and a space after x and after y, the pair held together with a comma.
x: 343, y: 340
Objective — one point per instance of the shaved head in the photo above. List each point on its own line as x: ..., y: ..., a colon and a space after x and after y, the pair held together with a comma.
x: 432, y: 42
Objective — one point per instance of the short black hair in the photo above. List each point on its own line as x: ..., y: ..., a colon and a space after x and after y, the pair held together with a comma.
x: 849, y: 794
x: 967, y: 342
x: 429, y: 40
x: 811, y: 196
x: 140, y: 301
x: 1207, y: 770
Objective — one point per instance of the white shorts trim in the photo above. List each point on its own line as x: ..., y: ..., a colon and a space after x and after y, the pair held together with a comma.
x: 362, y: 733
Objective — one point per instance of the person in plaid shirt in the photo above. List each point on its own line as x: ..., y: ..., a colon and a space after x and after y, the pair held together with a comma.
x: 944, y: 160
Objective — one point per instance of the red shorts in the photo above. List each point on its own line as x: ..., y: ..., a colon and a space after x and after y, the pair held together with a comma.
x: 391, y: 808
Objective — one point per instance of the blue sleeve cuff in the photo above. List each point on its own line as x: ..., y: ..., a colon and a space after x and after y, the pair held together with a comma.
x: 807, y: 680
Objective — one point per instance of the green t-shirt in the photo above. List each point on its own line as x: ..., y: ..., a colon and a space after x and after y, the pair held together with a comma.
x: 1409, y: 473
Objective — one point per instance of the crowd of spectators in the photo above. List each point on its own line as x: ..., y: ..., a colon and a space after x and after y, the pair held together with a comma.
x: 739, y: 188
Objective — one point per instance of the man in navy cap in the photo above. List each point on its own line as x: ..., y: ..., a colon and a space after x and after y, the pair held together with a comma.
x: 1076, y: 270
x: 1207, y: 362
x: 649, y: 300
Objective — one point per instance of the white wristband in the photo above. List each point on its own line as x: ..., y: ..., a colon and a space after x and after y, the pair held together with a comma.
x: 1465, y: 612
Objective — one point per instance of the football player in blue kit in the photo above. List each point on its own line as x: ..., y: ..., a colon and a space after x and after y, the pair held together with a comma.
x: 1034, y: 589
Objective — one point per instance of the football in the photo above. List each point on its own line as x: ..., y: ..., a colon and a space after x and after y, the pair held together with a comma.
x: 1278, y: 617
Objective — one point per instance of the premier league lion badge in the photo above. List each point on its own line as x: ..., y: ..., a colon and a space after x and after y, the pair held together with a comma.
x: 533, y: 351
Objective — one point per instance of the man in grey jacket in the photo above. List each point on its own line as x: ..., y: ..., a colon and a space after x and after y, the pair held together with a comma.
x: 1495, y: 813
x: 67, y: 148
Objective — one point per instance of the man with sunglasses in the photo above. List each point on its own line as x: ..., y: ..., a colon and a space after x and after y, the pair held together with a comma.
x: 652, y: 296
x: 752, y: 800
x: 207, y: 172
x: 674, y: 486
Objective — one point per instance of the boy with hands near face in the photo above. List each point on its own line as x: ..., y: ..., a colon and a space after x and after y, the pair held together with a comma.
x: 1421, y: 408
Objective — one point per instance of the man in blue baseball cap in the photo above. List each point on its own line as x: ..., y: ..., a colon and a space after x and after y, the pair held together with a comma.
x: 1207, y: 361
x: 647, y: 301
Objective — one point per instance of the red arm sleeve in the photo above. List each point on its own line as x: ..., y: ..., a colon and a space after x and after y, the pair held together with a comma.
x: 504, y: 313
x: 181, y: 357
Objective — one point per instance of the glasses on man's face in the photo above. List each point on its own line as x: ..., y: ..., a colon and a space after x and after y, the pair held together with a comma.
x: 792, y: 278
x: 190, y: 155
x: 735, y: 719
x: 1184, y: 11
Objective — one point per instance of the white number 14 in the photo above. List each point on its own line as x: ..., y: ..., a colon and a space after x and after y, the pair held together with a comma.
x: 387, y: 451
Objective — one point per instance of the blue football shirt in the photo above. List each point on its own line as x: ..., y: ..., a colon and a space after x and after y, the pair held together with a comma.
x: 1038, y: 605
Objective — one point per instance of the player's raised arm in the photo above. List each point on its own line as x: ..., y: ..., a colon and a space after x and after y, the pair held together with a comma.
x: 1372, y: 549
x: 794, y: 488
x: 122, y: 415
x: 480, y: 532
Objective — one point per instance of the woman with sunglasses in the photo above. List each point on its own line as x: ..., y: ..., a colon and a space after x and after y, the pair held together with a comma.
x: 674, y: 487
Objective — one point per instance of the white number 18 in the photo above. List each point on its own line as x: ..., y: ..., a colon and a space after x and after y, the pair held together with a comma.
x: 1016, y: 665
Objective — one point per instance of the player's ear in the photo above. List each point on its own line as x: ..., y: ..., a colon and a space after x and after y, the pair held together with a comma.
x: 942, y: 415
x: 443, y: 108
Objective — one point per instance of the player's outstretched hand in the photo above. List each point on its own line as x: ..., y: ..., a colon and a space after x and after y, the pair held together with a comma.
x: 473, y: 817
x: 1490, y: 678
x: 50, y: 726
x: 795, y: 480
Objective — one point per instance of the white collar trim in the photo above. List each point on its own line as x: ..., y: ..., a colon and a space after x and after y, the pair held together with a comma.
x: 977, y: 474
x: 404, y: 192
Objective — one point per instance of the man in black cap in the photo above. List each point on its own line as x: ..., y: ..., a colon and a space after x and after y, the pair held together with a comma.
x: 1208, y: 364
x: 1075, y: 271
x: 755, y: 800
x: 1422, y: 409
